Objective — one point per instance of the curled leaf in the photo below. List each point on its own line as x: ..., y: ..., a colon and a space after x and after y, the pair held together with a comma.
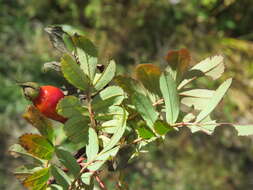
x: 40, y: 122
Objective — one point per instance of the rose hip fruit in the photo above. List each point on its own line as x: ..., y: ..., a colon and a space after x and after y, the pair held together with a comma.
x: 45, y: 99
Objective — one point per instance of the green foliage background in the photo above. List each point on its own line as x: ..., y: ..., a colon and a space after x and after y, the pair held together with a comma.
x: 134, y: 32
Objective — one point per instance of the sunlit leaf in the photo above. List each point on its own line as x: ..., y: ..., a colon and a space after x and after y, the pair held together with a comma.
x: 196, y: 103
x: 119, y: 131
x: 38, y: 180
x: 73, y: 73
x: 70, y: 106
x: 243, y: 130
x: 110, y: 126
x: 102, y: 157
x: 37, y: 145
x: 149, y: 75
x: 212, y: 67
x: 55, y: 187
x: 61, y: 178
x: 144, y: 106
x: 68, y: 161
x: 85, y: 177
x: 198, y: 98
x: 88, y: 64
x: 71, y: 30
x: 76, y: 129
x: 170, y: 95
x: 209, y: 65
x: 198, y: 93
x: 106, y: 76
x: 162, y: 127
x: 40, y: 122
x: 207, y: 126
x: 214, y: 101
x: 110, y: 96
x: 93, y: 145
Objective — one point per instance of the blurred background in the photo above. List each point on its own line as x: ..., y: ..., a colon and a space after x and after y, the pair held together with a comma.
x: 133, y: 32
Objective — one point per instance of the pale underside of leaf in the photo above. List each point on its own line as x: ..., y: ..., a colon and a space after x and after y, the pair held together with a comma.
x: 211, y: 66
x: 92, y: 147
x: 214, y: 101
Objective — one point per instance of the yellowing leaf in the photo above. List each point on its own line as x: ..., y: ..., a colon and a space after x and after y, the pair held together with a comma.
x: 37, y: 145
x: 149, y: 75
x: 40, y: 122
x: 38, y: 180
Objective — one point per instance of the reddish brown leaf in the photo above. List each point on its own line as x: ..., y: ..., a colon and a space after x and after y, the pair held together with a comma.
x: 179, y: 59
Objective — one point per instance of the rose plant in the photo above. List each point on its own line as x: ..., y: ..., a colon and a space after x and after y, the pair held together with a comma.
x: 103, y: 114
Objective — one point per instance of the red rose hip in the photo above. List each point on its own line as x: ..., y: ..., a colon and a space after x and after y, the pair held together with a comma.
x: 45, y: 99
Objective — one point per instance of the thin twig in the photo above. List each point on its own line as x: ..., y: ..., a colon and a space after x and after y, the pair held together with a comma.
x: 158, y: 102
x: 72, y: 185
x: 100, y: 182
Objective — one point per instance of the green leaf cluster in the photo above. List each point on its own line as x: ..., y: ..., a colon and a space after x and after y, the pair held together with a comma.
x: 107, y: 113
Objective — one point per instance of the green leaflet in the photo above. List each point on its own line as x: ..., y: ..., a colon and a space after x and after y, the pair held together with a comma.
x: 61, y: 177
x: 171, y: 98
x: 87, y: 63
x: 145, y: 132
x: 76, y: 129
x: 68, y: 161
x: 70, y: 106
x: 144, y: 106
x: 119, y: 132
x: 162, y: 128
x: 73, y: 73
x: 110, y: 96
x: 102, y: 157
